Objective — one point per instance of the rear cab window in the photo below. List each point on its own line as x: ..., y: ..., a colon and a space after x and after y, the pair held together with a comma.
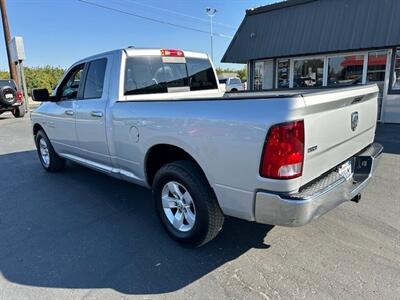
x: 153, y: 74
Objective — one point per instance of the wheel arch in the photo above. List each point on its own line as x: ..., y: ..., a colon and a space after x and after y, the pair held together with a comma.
x: 160, y: 154
x: 36, y: 127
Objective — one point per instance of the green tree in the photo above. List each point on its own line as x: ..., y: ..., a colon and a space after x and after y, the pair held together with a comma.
x: 242, y: 73
x: 4, y: 75
x: 39, y: 77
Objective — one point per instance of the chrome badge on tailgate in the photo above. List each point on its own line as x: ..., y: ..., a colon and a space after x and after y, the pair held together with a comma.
x: 354, y: 120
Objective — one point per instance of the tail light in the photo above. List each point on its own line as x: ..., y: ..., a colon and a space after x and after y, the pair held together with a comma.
x: 19, y: 96
x: 283, y: 152
x: 171, y: 52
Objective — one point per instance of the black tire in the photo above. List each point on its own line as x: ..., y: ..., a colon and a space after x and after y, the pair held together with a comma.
x: 209, y: 218
x: 8, y: 96
x: 19, y: 112
x: 55, y: 163
x: 234, y: 90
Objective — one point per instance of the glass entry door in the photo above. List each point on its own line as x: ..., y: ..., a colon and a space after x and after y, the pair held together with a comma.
x: 263, y: 75
x: 376, y: 73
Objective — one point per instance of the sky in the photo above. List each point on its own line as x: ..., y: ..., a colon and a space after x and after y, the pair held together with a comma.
x: 60, y: 32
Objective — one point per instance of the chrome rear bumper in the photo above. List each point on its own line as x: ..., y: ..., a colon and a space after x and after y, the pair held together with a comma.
x: 319, y: 197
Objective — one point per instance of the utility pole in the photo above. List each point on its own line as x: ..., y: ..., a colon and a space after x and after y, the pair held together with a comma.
x: 211, y: 12
x: 7, y: 38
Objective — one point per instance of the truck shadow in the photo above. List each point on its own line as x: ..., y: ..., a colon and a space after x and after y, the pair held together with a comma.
x: 389, y: 136
x: 84, y: 230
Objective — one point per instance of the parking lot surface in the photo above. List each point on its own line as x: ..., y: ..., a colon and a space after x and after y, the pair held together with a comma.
x: 82, y: 235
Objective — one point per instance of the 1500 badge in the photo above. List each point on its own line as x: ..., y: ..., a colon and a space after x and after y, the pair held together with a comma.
x: 312, y: 149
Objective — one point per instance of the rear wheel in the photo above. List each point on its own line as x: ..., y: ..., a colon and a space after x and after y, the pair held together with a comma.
x: 19, y: 112
x: 186, y: 204
x: 49, y: 159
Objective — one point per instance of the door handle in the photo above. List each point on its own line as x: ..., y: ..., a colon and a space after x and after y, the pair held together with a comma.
x: 96, y: 114
x: 69, y: 112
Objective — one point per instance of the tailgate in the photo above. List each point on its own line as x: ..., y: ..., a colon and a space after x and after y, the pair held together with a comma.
x: 338, y: 124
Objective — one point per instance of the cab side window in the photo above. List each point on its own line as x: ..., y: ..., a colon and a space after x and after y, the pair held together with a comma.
x: 95, y: 79
x: 70, y: 86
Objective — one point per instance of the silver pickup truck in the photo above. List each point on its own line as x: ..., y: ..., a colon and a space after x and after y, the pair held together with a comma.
x: 157, y: 118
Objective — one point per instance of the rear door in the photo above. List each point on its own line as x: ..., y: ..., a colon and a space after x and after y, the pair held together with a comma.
x: 91, y: 113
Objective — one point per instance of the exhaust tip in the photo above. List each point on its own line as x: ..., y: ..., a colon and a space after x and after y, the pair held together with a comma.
x: 356, y: 199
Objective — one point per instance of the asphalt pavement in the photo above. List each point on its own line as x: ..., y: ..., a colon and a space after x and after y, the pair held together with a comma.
x: 82, y: 235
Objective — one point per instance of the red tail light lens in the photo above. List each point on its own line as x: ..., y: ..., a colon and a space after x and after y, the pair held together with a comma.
x: 283, y: 152
x: 19, y: 96
x: 171, y: 52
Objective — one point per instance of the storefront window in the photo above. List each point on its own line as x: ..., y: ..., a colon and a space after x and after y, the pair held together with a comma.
x: 345, y: 69
x: 396, y: 72
x: 283, y: 73
x: 308, y: 72
x: 376, y: 66
x: 258, y: 75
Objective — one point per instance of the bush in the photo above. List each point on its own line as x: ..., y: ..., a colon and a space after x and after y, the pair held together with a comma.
x: 39, y: 77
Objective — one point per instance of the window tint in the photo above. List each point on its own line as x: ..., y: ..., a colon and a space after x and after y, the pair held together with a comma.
x: 69, y: 89
x: 175, y: 75
x: 223, y: 81
x: 148, y: 75
x: 345, y: 69
x: 95, y: 79
x: 201, y: 74
x: 144, y: 75
x: 308, y: 72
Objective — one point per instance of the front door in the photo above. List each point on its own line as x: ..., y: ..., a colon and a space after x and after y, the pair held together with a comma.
x: 377, y: 65
x: 60, y: 123
x: 91, y: 114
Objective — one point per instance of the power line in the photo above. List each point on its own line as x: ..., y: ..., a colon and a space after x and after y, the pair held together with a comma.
x: 152, y: 19
x: 181, y: 14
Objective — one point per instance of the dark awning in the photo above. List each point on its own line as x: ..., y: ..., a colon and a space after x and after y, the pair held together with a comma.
x: 302, y: 27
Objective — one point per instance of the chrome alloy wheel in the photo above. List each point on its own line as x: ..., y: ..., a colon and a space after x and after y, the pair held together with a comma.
x: 178, y: 206
x: 44, y: 152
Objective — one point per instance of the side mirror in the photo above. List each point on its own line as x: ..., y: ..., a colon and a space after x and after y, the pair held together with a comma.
x: 42, y: 95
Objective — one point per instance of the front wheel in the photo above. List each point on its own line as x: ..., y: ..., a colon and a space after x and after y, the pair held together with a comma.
x: 186, y: 204
x: 49, y: 159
